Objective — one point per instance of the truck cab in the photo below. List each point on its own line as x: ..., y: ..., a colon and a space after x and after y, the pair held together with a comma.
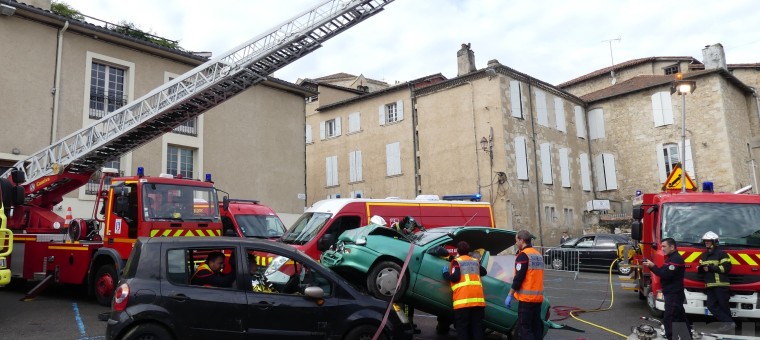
x: 249, y: 218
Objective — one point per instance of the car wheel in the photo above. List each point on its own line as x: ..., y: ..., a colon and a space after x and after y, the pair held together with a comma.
x: 624, y: 270
x: 651, y: 304
x: 557, y: 263
x: 104, y: 284
x: 148, y: 331
x: 382, y: 279
x: 363, y: 332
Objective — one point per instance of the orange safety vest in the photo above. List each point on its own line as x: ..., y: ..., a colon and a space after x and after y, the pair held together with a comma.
x: 203, y: 267
x: 532, y: 288
x: 468, y: 292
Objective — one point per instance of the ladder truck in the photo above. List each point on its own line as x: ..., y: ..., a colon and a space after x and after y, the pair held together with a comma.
x: 48, y: 250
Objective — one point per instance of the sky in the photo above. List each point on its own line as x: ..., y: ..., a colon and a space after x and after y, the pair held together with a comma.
x: 552, y: 40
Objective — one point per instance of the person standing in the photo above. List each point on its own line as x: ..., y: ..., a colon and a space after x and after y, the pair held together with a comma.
x: 671, y: 275
x: 714, y: 268
x: 469, y: 301
x: 564, y: 238
x: 528, y: 288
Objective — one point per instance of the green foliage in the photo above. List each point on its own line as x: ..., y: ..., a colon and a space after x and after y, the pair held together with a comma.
x: 130, y: 29
x: 64, y: 9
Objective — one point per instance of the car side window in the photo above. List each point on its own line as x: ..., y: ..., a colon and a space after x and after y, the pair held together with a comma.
x: 586, y: 242
x: 178, y: 271
x: 605, y: 242
x: 201, y: 267
x: 274, y: 273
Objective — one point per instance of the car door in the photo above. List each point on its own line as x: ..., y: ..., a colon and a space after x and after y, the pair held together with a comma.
x: 201, y: 312
x: 604, y: 251
x: 429, y: 285
x: 584, y: 248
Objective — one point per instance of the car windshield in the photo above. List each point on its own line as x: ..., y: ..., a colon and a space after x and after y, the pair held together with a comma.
x: 306, y: 228
x: 179, y: 202
x: 736, y: 224
x: 260, y: 226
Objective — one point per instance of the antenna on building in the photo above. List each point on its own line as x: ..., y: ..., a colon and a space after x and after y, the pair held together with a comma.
x: 612, y: 72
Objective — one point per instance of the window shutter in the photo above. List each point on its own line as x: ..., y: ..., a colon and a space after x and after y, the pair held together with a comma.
x: 580, y: 122
x: 337, y: 126
x: 657, y: 109
x: 521, y: 158
x: 609, y: 171
x: 599, y: 173
x: 328, y: 172
x: 564, y: 167
x: 661, y: 168
x: 308, y: 134
x: 396, y: 158
x: 381, y: 111
x: 596, y: 124
x: 354, y: 124
x: 516, y: 98
x: 322, y: 130
x: 352, y: 166
x: 688, y: 161
x: 559, y: 112
x: 546, y: 163
x: 335, y: 170
x: 400, y: 109
x: 667, y: 108
x: 359, y: 166
x: 585, y: 172
x: 543, y: 115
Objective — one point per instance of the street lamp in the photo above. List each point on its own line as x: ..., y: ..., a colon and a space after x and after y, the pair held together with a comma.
x: 487, y: 145
x: 683, y: 87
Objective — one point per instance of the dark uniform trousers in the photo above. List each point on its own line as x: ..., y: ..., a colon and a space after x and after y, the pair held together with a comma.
x: 717, y: 303
x: 677, y: 325
x: 530, y: 321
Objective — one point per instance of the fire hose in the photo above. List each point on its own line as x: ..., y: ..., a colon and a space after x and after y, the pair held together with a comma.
x: 393, y: 297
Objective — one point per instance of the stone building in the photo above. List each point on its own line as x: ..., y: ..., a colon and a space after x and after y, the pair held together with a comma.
x: 62, y: 74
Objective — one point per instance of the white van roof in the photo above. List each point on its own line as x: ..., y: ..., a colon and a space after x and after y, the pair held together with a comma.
x: 336, y: 204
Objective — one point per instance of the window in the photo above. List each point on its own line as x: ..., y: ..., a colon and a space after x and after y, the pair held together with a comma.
x: 569, y: 217
x: 189, y: 127
x: 516, y: 99
x: 521, y: 158
x: 550, y: 214
x: 355, y: 167
x: 309, y: 138
x: 182, y: 263
x: 94, y: 182
x: 605, y: 242
x: 668, y: 155
x: 585, y: 172
x: 672, y: 69
x: 580, y: 122
x: 270, y: 272
x: 106, y: 89
x: 559, y: 112
x: 596, y: 124
x: 541, y: 110
x: 391, y: 113
x: 356, y: 194
x: 354, y: 122
x: 393, y: 159
x: 662, y: 109
x: 331, y: 171
x: 546, y: 163
x: 604, y: 165
x: 179, y: 161
x: 564, y: 167
x: 329, y: 128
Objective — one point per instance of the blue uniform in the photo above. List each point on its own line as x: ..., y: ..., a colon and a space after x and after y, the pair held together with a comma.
x: 671, y: 275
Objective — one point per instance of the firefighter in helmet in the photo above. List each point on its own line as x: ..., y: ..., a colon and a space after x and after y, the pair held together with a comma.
x: 714, y: 267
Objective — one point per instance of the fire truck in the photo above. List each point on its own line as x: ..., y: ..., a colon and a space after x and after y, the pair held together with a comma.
x: 48, y: 249
x: 686, y: 217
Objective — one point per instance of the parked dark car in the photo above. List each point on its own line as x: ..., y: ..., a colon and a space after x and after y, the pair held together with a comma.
x: 595, y: 251
x: 290, y: 296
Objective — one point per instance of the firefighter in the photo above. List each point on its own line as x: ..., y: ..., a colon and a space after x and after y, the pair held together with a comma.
x: 528, y: 288
x: 469, y: 301
x: 671, y: 275
x: 714, y: 268
x: 209, y: 273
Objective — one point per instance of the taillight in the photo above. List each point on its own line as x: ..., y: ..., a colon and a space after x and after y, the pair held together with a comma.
x: 120, y: 298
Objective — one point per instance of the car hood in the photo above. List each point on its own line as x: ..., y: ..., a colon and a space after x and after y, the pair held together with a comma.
x: 491, y: 239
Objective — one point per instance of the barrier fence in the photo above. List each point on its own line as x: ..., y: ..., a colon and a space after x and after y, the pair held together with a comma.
x: 561, y: 259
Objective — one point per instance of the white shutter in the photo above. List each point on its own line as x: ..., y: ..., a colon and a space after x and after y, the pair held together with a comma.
x: 543, y: 115
x: 521, y: 158
x: 308, y: 135
x: 516, y: 98
x: 657, y: 109
x: 580, y: 122
x: 609, y: 171
x: 321, y: 130
x: 397, y: 158
x: 559, y: 112
x: 337, y: 127
x: 359, y: 166
x: 599, y: 173
x: 546, y: 162
x: 381, y: 112
x: 335, y: 170
x: 661, y: 168
x: 585, y: 172
x: 688, y: 161
x: 596, y: 124
x: 352, y: 167
x: 328, y: 172
x: 400, y: 109
x: 564, y: 167
x: 354, y: 120
x: 393, y: 159
x: 667, y: 108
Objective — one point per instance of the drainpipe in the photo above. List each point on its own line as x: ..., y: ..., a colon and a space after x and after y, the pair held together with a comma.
x: 475, y: 131
x: 415, y: 143
x: 57, y: 84
x: 535, y: 167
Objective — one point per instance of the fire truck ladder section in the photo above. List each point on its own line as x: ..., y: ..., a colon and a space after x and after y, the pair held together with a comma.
x: 190, y: 94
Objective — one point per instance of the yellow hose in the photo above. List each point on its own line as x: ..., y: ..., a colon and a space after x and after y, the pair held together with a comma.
x: 612, y: 300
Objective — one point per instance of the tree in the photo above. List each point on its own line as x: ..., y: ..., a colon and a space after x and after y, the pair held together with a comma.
x: 65, y: 10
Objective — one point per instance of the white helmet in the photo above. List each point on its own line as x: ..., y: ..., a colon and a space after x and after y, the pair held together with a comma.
x: 377, y: 220
x: 710, y: 236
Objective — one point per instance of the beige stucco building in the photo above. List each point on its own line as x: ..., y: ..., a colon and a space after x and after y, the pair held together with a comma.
x: 61, y: 74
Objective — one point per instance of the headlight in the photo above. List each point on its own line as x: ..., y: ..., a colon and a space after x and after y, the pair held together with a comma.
x: 3, y: 263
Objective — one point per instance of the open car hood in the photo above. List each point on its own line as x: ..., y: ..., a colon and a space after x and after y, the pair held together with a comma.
x: 491, y: 239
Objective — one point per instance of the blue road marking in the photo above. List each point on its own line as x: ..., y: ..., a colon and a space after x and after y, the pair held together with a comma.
x: 78, y: 319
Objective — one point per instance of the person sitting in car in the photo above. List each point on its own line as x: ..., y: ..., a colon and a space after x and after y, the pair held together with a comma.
x: 209, y: 273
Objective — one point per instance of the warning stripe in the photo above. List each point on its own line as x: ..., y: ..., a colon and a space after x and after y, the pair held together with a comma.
x: 736, y: 259
x: 183, y: 232
x: 748, y: 259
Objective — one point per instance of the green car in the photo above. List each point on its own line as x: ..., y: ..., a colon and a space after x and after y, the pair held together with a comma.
x: 373, y: 256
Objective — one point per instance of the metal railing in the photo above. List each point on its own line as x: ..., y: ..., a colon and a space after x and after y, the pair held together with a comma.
x: 561, y: 259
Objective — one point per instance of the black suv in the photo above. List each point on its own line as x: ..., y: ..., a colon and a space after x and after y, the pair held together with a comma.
x: 272, y: 291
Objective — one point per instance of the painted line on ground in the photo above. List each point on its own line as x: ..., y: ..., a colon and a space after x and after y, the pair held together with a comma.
x: 78, y: 319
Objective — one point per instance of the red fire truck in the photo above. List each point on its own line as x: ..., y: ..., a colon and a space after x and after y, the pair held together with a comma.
x: 686, y: 217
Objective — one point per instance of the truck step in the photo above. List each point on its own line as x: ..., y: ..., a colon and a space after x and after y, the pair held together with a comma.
x: 38, y: 289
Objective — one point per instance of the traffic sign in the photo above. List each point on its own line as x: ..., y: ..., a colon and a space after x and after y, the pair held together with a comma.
x: 674, y: 180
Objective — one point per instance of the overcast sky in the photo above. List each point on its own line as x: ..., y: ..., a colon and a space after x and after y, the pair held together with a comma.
x: 552, y: 40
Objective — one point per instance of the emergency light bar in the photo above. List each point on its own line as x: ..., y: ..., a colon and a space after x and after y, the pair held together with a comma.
x: 472, y: 197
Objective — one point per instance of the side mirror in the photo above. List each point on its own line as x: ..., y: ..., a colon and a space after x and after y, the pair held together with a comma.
x: 638, y: 212
x: 17, y: 196
x: 636, y: 230
x: 314, y: 292
x: 18, y: 176
x: 325, y: 242
x: 226, y: 203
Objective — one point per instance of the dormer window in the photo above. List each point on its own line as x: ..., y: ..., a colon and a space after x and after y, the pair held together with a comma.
x: 672, y: 69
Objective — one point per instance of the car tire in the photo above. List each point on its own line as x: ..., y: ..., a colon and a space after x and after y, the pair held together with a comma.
x: 363, y: 332
x: 624, y: 270
x: 382, y: 278
x: 557, y: 263
x: 104, y: 284
x: 148, y: 331
x: 651, y: 304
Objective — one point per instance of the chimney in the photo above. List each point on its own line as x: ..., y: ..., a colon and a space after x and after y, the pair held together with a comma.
x: 714, y: 57
x: 465, y: 60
